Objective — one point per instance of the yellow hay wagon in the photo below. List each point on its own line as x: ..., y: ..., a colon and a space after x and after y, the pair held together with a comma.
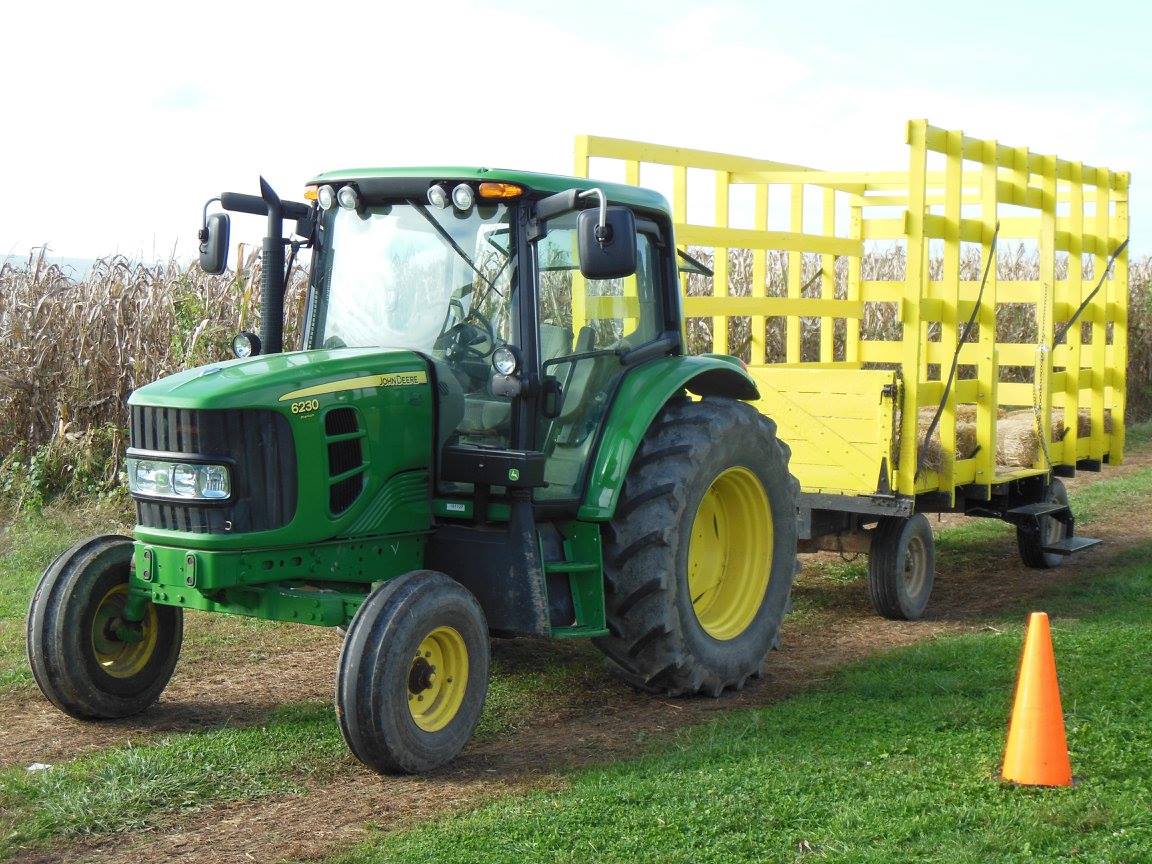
x: 934, y: 413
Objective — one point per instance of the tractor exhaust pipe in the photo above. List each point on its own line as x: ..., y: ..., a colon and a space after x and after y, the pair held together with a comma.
x: 272, y: 274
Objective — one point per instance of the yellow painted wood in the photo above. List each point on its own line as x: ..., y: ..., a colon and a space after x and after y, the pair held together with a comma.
x: 855, y: 274
x: 988, y: 365
x: 828, y: 276
x: 773, y: 306
x: 981, y: 183
x: 758, y: 353
x: 795, y: 274
x: 1117, y: 299
x: 720, y: 264
x: 1098, y: 446
x: 1075, y: 283
x: 790, y: 241
x: 837, y: 423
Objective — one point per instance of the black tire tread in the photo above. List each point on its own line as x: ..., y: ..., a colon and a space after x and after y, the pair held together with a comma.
x: 373, y: 636
x: 64, y: 682
x: 645, y: 647
x: 1030, y: 543
x: 884, y: 575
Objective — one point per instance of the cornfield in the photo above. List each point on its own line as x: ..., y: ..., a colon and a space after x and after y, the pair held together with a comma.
x: 75, y: 350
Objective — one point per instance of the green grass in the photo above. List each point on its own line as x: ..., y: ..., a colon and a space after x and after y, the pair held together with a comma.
x: 125, y: 788
x: 895, y: 760
x: 117, y: 789
x: 1138, y: 434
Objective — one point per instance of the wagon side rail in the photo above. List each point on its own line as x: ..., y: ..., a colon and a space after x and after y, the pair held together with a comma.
x: 961, y: 202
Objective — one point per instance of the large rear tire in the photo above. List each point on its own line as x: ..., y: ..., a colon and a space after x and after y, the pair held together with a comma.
x: 413, y: 674
x: 1030, y: 540
x: 701, y: 553
x: 76, y: 647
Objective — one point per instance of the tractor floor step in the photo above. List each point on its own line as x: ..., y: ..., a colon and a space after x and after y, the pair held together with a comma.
x: 1042, y: 508
x: 1070, y: 545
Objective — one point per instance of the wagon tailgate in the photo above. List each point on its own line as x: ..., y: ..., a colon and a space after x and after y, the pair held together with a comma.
x: 838, y: 422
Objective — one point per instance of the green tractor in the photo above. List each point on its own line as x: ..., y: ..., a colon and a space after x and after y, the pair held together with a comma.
x: 491, y: 428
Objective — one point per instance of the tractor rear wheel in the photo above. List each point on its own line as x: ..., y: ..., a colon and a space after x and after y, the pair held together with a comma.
x: 901, y: 567
x: 89, y: 661
x: 413, y: 674
x: 700, y: 556
x: 1032, y: 539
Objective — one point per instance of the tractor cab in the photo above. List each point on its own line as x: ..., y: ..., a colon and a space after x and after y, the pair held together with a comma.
x: 487, y: 279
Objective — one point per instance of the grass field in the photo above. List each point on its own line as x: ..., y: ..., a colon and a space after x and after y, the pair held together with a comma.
x: 892, y: 759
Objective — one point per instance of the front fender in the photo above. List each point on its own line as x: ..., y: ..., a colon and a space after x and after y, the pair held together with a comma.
x: 644, y: 391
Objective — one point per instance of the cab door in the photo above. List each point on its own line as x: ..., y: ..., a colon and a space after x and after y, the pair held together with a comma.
x: 586, y: 327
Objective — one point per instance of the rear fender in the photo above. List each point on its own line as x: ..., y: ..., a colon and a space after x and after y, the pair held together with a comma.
x: 644, y: 391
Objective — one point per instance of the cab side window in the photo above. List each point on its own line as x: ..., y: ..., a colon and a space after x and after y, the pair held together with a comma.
x: 585, y: 325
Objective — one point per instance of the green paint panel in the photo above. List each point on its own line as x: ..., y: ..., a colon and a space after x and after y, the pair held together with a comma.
x: 273, y: 602
x: 640, y: 398
x: 583, y: 562
x: 273, y: 583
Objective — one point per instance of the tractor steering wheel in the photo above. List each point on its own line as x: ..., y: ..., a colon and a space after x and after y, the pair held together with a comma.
x: 470, y: 338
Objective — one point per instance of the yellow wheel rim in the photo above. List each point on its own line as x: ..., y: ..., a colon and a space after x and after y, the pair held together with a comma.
x: 118, y: 658
x: 438, y: 679
x: 730, y: 553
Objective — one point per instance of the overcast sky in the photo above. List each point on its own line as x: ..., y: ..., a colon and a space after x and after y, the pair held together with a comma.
x: 120, y: 119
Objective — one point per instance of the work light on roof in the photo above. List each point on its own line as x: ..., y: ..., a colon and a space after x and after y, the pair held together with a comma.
x: 462, y: 196
x: 438, y: 196
x: 348, y: 198
x: 326, y: 197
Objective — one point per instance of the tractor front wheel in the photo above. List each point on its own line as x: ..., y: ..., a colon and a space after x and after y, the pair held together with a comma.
x: 700, y: 556
x: 413, y: 674
x: 87, y: 659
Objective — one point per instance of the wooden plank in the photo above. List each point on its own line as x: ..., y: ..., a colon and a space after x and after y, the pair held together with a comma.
x: 702, y: 307
x: 748, y: 238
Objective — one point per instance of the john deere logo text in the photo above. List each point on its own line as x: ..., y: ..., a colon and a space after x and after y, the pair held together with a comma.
x: 391, y: 379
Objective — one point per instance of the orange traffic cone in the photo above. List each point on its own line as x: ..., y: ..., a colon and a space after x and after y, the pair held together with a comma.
x: 1037, y: 751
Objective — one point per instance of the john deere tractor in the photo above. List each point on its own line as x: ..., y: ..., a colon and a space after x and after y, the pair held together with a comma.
x: 490, y: 427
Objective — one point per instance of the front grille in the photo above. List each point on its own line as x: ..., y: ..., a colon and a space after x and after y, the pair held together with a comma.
x: 258, y: 447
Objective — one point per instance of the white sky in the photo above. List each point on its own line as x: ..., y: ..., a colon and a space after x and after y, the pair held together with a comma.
x: 120, y: 119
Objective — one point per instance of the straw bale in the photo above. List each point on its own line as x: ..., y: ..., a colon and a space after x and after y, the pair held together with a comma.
x: 1018, y: 445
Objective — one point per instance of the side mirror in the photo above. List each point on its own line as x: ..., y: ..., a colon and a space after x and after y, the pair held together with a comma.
x: 214, y: 244
x: 551, y: 397
x: 608, y: 248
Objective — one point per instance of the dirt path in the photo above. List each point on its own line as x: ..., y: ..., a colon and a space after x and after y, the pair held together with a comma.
x: 596, y: 725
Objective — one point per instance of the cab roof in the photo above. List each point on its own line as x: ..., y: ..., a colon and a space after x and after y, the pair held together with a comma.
x: 619, y: 193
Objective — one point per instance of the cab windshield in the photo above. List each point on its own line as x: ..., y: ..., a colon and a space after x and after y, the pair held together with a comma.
x: 406, y: 275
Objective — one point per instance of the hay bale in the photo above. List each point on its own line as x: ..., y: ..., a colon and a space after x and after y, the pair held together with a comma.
x: 1018, y: 445
x: 933, y: 450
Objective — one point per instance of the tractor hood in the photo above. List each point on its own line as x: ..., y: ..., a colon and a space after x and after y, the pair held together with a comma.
x: 282, y: 378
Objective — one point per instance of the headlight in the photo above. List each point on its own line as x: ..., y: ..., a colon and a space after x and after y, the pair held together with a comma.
x: 347, y: 198
x: 186, y: 480
x: 462, y: 196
